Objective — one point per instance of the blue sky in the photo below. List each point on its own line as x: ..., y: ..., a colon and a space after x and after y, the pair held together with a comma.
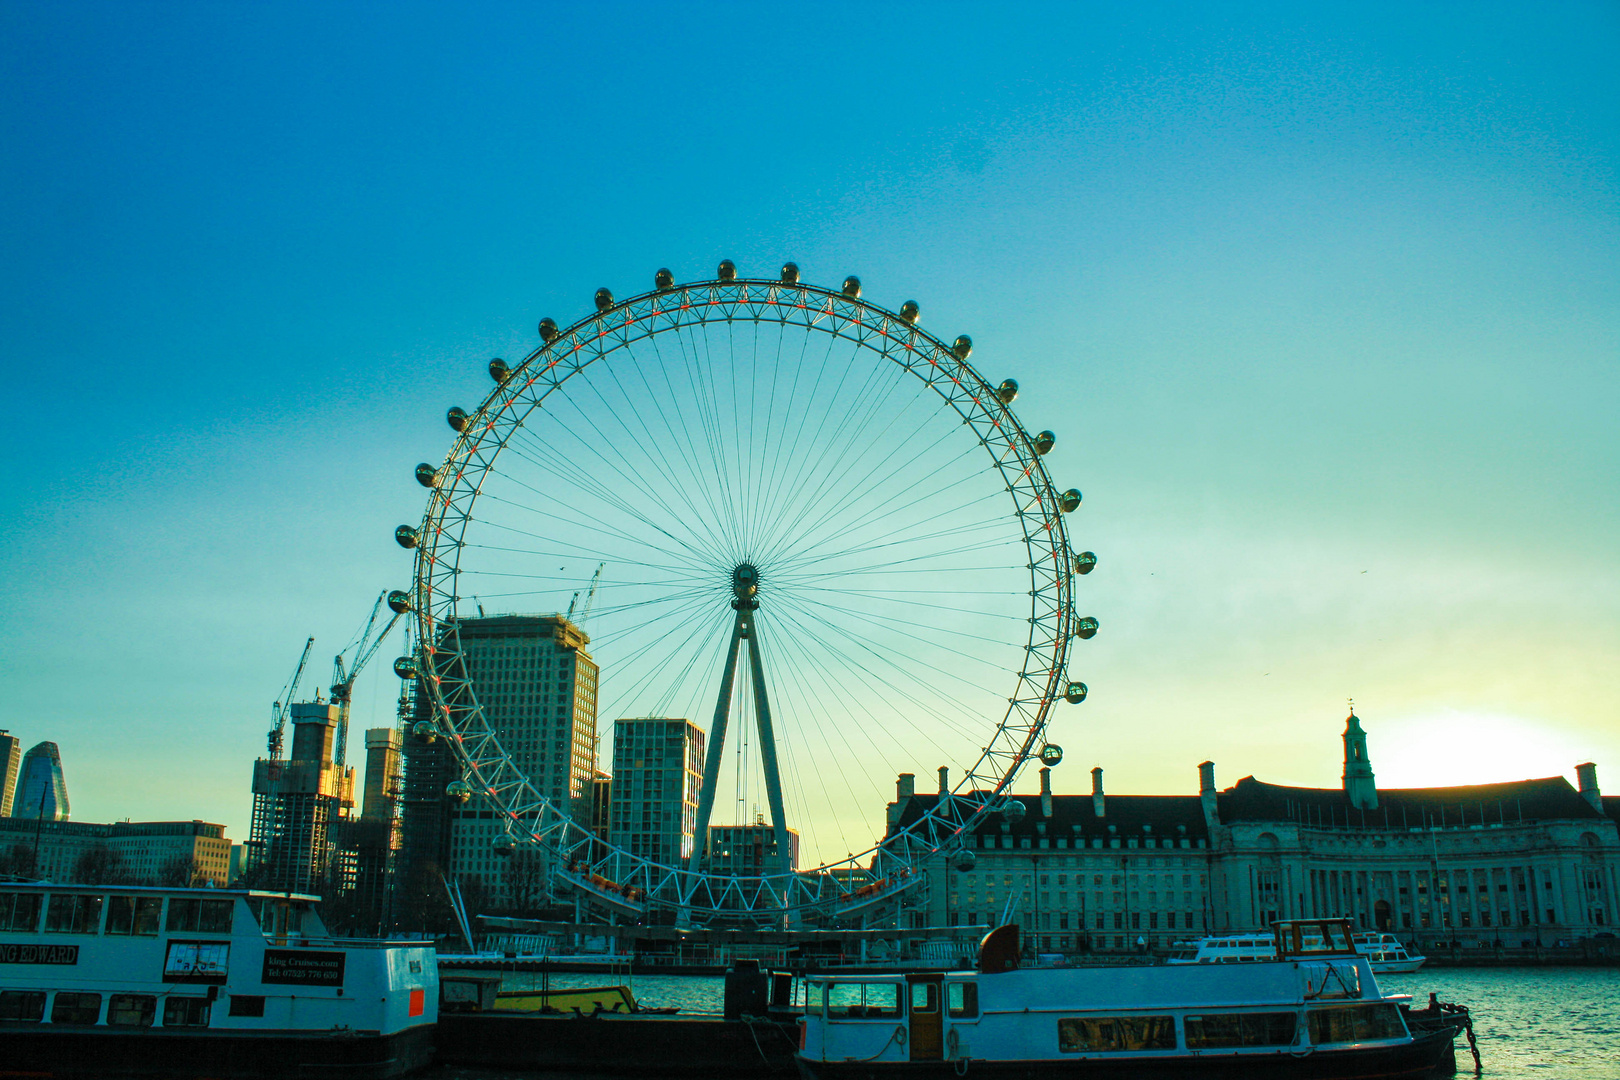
x: 1322, y: 301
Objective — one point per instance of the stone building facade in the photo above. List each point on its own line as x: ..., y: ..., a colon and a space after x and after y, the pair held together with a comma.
x: 1523, y: 864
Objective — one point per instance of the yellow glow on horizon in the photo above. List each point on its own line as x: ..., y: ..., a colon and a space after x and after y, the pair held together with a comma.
x: 1452, y: 747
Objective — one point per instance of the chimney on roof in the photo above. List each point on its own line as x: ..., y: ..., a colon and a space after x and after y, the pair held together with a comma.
x: 1046, y: 793
x: 1097, y: 806
x: 944, y: 780
x: 904, y: 788
x: 1206, y: 794
x: 1587, y: 775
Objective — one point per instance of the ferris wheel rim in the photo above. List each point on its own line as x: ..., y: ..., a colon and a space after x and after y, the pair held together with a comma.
x: 702, y: 302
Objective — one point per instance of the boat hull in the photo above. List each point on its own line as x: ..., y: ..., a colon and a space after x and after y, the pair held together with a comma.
x: 1419, y: 1058
x: 60, y: 1050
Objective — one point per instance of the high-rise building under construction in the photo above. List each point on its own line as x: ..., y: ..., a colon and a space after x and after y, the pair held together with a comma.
x: 299, y: 803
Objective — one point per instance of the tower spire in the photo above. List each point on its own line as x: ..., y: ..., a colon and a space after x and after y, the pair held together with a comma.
x: 1360, y: 786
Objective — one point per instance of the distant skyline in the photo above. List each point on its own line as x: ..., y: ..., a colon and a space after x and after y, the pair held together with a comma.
x: 1324, y: 304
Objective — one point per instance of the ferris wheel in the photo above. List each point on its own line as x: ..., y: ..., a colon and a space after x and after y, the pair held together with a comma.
x: 814, y: 525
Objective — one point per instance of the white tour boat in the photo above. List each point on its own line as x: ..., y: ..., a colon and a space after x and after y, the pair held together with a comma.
x: 1386, y: 953
x: 1383, y: 951
x: 107, y: 981
x: 1312, y: 1010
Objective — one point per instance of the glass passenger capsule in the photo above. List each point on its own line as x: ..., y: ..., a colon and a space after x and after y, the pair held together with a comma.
x: 456, y: 418
x: 1007, y: 391
x: 425, y: 731
x: 1051, y: 755
x: 1075, y: 693
x: 1086, y: 628
x: 399, y: 601
x: 962, y: 347
x: 1013, y: 811
x: 727, y: 270
x: 1070, y: 500
x: 405, y: 667
x: 910, y: 312
x: 1044, y: 442
x: 790, y: 273
x: 458, y: 791
x: 965, y: 860
x: 548, y: 330
x: 427, y: 475
x: 1085, y: 562
x: 852, y: 287
x: 499, y: 371
x: 405, y: 536
x: 604, y: 299
x: 504, y: 846
x: 663, y: 279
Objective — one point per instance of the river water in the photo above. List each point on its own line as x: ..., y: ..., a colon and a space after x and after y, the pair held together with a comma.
x: 1531, y: 1023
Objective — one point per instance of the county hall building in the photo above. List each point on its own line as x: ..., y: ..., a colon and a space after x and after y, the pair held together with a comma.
x: 1517, y: 865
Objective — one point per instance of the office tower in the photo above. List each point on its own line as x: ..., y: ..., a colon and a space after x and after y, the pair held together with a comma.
x: 536, y: 685
x: 657, y: 777
x: 44, y: 791
x: 748, y: 850
x: 10, y: 763
x: 298, y: 802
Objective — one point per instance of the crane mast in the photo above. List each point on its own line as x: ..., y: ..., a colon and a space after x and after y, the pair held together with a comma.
x: 363, y: 647
x: 278, y: 711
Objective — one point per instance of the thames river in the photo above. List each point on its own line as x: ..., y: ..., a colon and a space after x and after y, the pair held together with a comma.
x: 1531, y: 1023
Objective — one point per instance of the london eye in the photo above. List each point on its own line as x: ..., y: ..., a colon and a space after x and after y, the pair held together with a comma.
x: 816, y: 529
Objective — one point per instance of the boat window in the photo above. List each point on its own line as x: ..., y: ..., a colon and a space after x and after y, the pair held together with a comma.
x: 136, y: 915
x: 863, y: 1001
x: 1088, y: 1034
x: 185, y: 1012
x: 19, y: 911
x: 197, y: 961
x: 75, y: 1008
x: 1356, y: 1023
x: 247, y: 1004
x: 131, y: 1010
x: 1215, y: 1030
x: 205, y: 916
x: 925, y: 997
x: 28, y: 1005
x: 73, y: 913
x: 962, y: 1000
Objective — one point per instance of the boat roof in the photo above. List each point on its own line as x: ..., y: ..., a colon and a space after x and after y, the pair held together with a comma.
x: 166, y: 890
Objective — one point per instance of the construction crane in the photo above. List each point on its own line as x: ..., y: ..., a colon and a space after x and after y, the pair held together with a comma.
x: 589, y: 596
x: 363, y: 647
x: 278, y: 711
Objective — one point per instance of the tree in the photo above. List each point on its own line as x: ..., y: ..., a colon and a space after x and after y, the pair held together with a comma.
x: 421, y: 905
x: 180, y: 872
x: 524, y: 877
x: 18, y: 860
x: 101, y: 865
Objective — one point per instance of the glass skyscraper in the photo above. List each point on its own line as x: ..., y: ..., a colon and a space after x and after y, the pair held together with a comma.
x: 42, y: 792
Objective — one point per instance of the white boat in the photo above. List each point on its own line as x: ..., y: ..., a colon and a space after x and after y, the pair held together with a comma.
x: 1386, y: 953
x: 1313, y: 1012
x: 106, y: 981
x: 1383, y: 951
